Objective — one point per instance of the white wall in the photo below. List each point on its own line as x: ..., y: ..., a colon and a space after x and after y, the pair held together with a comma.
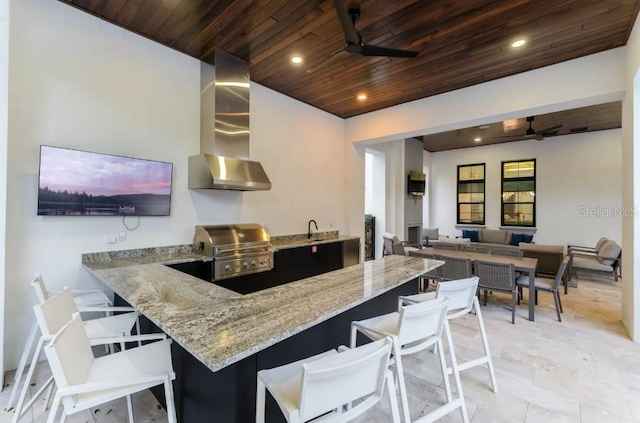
x: 97, y: 87
x: 578, y: 185
x: 631, y: 186
x: 4, y: 105
x: 585, y: 81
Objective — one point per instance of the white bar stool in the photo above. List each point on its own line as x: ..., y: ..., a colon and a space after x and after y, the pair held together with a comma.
x: 414, y: 328
x: 83, y: 299
x: 52, y: 315
x: 462, y: 300
x: 329, y: 383
x: 84, y: 381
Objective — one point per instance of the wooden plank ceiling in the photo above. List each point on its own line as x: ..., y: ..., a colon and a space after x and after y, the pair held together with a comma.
x: 460, y: 42
x: 574, y: 121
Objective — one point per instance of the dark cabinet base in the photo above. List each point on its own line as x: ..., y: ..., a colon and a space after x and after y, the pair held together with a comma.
x: 228, y: 395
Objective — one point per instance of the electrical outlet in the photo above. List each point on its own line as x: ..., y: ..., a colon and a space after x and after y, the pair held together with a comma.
x: 112, y: 238
x: 122, y: 236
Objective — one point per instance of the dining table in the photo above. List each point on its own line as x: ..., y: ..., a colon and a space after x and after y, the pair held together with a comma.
x: 525, y: 265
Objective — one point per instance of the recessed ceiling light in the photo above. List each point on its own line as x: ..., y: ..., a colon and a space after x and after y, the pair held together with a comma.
x: 477, y: 139
x: 518, y: 43
x: 361, y: 97
x: 484, y: 126
x: 296, y: 59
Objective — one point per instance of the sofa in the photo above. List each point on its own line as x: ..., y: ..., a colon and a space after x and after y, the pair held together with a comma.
x: 489, y: 239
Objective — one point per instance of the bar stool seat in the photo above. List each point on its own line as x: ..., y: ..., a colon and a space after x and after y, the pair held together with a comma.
x: 327, y: 384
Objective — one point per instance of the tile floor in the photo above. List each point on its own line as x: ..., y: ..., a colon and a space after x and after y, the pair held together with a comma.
x: 584, y: 369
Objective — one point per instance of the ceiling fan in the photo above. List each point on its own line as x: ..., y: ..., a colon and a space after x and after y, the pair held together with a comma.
x: 531, y: 133
x: 353, y: 39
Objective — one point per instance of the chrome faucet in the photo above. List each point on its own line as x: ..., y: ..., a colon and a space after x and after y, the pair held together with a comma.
x: 309, y: 228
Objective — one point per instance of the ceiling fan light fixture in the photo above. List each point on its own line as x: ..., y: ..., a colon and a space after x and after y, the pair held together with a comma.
x: 518, y: 43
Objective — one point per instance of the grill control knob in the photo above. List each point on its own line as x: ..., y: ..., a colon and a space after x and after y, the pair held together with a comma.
x: 261, y: 261
x: 227, y: 268
x: 253, y: 263
x: 245, y: 265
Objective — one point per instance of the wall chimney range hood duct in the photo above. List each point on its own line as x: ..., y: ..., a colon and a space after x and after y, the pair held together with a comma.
x: 224, y: 130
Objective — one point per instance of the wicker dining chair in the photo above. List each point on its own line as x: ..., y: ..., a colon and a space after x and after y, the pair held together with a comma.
x: 433, y: 275
x: 446, y: 246
x: 454, y: 268
x: 474, y: 248
x: 509, y: 252
x: 497, y: 277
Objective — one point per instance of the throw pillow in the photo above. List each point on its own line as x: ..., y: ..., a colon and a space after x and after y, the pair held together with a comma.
x: 516, y: 239
x: 472, y: 235
x: 527, y: 238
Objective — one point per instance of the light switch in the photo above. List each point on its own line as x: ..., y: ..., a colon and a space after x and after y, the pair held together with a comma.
x: 112, y: 238
x: 122, y: 236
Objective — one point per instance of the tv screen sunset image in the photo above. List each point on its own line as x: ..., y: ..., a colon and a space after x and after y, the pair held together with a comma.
x: 75, y: 182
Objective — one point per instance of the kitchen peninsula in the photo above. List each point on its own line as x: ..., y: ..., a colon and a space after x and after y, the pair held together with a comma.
x: 221, y: 338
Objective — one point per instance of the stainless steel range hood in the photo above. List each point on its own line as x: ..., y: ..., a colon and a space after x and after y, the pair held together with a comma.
x: 224, y: 130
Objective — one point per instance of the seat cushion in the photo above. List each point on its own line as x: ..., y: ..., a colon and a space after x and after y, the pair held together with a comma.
x: 455, y: 240
x: 431, y: 233
x: 541, y: 283
x: 590, y: 263
x: 609, y: 253
x: 494, y: 236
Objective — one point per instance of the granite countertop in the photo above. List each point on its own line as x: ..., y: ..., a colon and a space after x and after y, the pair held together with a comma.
x: 300, y: 240
x: 220, y: 327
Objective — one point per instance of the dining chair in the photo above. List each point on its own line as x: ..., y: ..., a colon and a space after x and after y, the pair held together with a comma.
x: 507, y: 252
x: 462, y: 301
x: 414, y: 328
x: 454, y: 268
x: 446, y: 246
x: 329, y: 383
x: 547, y: 285
x: 52, y: 315
x: 433, y: 275
x: 83, y: 298
x: 84, y: 381
x: 474, y: 248
x: 497, y: 277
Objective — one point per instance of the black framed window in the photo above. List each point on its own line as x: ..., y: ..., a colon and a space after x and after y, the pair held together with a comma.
x: 471, y: 194
x: 519, y: 193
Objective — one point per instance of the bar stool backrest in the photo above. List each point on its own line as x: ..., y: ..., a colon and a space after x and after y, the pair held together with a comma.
x: 41, y: 290
x: 339, y: 379
x: 70, y: 357
x: 422, y: 323
x: 461, y: 293
x: 55, y: 312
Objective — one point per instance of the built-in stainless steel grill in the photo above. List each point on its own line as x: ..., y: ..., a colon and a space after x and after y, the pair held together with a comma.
x: 236, y: 249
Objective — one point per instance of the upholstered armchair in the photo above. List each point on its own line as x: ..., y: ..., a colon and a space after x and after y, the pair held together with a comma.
x: 605, y: 258
x: 393, y: 245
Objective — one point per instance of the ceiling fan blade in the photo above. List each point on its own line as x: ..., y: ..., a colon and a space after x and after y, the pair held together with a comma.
x: 549, y: 129
x: 369, y: 50
x: 332, y: 59
x: 348, y: 27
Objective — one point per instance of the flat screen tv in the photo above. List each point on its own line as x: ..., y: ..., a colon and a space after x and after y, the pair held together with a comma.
x: 82, y: 183
x: 416, y: 183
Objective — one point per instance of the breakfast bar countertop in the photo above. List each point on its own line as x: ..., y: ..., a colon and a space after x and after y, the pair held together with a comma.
x: 220, y: 327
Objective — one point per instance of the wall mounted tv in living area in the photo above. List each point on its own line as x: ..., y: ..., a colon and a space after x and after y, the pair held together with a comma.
x: 416, y: 183
x: 82, y: 183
